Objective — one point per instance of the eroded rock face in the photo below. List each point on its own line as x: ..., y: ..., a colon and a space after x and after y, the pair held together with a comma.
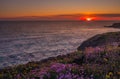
x: 115, y: 25
x: 101, y: 40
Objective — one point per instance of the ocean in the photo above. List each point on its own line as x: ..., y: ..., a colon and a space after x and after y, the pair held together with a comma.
x: 25, y: 41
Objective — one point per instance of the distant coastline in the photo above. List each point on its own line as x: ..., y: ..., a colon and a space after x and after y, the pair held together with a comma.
x: 114, y: 25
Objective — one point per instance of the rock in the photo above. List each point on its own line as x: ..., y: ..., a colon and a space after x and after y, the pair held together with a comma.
x: 101, y: 40
x: 80, y: 60
x: 115, y: 25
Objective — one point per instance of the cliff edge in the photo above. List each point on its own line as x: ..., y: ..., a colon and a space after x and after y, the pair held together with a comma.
x: 110, y: 38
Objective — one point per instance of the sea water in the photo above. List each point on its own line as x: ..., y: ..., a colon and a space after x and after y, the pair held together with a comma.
x: 25, y: 41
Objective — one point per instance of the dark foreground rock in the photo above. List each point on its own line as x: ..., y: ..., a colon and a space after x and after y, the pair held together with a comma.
x: 101, y: 40
x: 115, y: 25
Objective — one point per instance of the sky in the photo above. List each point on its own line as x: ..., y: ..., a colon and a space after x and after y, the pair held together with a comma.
x: 59, y: 9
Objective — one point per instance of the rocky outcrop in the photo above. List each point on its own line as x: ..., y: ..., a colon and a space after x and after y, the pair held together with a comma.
x: 101, y: 40
x: 115, y: 25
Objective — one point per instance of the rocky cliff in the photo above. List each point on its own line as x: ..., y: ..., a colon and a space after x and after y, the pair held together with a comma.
x: 112, y: 38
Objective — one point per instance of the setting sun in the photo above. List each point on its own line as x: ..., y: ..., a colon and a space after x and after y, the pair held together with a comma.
x: 88, y: 19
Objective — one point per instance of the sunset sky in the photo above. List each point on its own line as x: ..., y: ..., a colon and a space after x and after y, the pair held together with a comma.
x: 60, y: 9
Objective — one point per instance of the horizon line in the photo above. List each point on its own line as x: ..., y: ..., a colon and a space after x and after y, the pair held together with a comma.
x: 77, y: 14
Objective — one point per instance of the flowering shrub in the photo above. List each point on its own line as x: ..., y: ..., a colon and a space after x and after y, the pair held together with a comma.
x: 103, y: 62
x: 61, y: 71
